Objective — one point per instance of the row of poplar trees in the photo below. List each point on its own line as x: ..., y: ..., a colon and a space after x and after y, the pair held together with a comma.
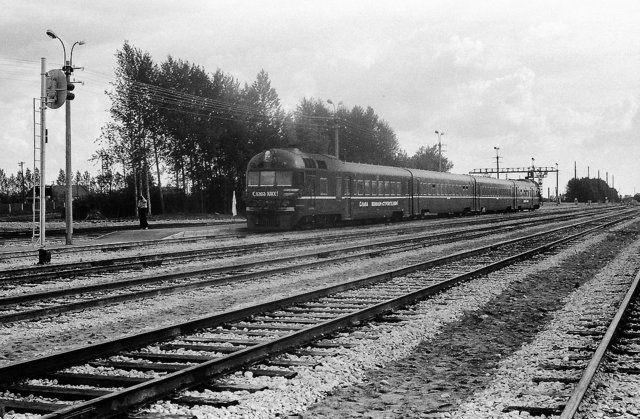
x: 174, y: 120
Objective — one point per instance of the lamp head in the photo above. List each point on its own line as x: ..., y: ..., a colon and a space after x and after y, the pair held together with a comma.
x: 51, y: 34
x: 82, y: 42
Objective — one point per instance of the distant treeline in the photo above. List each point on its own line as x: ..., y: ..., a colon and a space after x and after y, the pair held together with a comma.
x: 594, y: 190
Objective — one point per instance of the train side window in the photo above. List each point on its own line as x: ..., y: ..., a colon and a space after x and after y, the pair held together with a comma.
x: 321, y: 164
x: 267, y: 178
x: 323, y: 186
x: 387, y: 188
x: 338, y: 187
x: 360, y: 190
x: 284, y: 178
x: 347, y: 186
x: 367, y: 187
x: 253, y: 178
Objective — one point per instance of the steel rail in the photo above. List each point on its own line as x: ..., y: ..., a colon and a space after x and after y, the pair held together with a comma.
x: 103, y: 229
x: 116, y: 264
x: 188, y: 272
x: 580, y: 390
x: 104, y: 246
x: 153, y: 389
x: 163, y: 290
x: 122, y: 400
x: 149, y: 243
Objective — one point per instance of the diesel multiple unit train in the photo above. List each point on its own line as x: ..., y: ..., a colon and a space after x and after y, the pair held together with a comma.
x: 288, y: 188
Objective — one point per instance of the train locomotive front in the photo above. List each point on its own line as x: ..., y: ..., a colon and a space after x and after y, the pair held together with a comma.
x: 275, y: 180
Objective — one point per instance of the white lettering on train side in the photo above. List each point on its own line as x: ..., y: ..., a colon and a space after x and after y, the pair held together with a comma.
x: 384, y: 203
x: 264, y: 193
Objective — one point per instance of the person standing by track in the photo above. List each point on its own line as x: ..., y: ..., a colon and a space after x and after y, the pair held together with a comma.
x: 143, y: 209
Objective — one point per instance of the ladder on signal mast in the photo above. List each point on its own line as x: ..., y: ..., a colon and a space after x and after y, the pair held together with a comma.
x: 36, y: 236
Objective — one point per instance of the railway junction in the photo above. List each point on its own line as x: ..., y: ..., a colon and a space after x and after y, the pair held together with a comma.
x: 529, y: 314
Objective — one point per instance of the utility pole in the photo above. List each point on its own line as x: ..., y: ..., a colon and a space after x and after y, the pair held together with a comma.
x: 557, y: 197
x: 68, y: 213
x: 439, y: 133
x: 68, y: 69
x: 497, y: 163
x: 335, y: 126
x: 21, y: 164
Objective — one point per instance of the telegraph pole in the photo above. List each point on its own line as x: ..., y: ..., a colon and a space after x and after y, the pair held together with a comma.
x: 21, y: 164
x: 335, y: 126
x: 439, y: 133
x: 557, y: 173
x: 497, y: 163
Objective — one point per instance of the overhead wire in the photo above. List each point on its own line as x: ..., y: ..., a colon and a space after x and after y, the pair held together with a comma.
x: 175, y: 100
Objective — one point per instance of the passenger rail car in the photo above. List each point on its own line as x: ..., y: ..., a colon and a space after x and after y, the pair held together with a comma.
x: 287, y: 188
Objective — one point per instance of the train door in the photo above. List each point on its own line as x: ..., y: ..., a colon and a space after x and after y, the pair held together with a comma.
x: 346, y: 202
x: 311, y: 182
x: 416, y: 197
x: 475, y: 188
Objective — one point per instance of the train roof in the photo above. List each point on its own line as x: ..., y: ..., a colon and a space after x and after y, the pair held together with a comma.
x: 293, y: 158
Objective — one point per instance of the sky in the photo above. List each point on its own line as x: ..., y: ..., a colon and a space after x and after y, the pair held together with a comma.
x: 553, y: 81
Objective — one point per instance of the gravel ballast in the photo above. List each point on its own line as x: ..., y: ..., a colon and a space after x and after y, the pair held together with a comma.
x: 430, y: 362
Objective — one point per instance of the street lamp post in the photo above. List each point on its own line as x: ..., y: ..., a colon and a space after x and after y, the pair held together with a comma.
x: 68, y: 69
x: 439, y: 133
x: 497, y: 162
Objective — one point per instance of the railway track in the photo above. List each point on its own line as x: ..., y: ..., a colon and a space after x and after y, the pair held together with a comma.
x: 34, y: 305
x: 193, y: 353
x: 600, y: 343
x: 409, y: 227
x: 10, y: 234
x: 69, y: 269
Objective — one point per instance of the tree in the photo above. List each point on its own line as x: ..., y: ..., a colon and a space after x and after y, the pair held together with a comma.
x: 312, y: 123
x: 61, y: 180
x: 133, y: 112
x: 428, y: 158
x: 362, y: 135
x: 265, y: 121
x: 587, y: 189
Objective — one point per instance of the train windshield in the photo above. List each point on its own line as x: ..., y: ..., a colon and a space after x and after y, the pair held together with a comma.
x: 284, y: 178
x: 269, y: 178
